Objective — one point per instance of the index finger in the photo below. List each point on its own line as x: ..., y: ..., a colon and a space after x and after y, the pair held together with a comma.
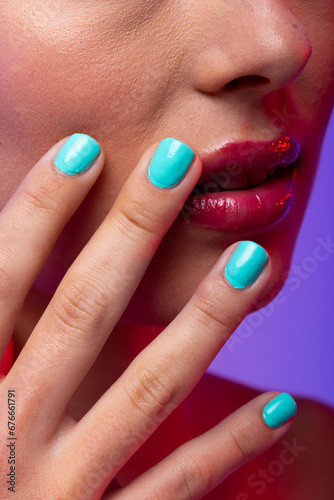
x: 33, y: 218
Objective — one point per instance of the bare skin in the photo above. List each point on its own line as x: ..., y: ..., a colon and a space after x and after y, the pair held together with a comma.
x: 212, y: 400
x: 130, y: 73
x: 82, y: 457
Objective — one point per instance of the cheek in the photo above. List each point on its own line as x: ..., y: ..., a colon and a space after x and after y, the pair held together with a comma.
x: 316, y: 83
x: 84, y: 81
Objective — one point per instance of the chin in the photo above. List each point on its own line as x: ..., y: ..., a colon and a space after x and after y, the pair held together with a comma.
x: 161, y: 296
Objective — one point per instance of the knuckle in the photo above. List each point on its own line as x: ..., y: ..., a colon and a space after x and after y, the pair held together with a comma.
x: 41, y: 202
x: 8, y: 285
x: 240, y: 441
x: 135, y: 216
x: 195, y: 475
x: 152, y: 390
x: 210, y: 309
x: 79, y: 307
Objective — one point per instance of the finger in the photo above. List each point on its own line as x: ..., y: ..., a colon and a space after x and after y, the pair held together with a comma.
x: 113, y: 486
x: 198, y: 466
x: 165, y: 372
x: 32, y: 220
x: 96, y: 289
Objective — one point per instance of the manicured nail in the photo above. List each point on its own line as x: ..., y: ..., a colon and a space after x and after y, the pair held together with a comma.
x: 279, y: 410
x: 246, y: 264
x: 78, y: 154
x: 170, y: 163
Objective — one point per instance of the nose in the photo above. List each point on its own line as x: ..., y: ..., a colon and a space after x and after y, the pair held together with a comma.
x: 259, y: 46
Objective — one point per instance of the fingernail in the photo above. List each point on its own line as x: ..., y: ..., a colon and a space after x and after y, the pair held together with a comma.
x: 78, y: 154
x: 246, y: 264
x: 170, y: 163
x: 279, y: 410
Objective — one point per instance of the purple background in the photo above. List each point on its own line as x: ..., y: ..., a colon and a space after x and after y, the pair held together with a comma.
x: 292, y: 348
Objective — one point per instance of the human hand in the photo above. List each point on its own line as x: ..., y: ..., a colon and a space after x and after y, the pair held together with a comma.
x: 57, y: 457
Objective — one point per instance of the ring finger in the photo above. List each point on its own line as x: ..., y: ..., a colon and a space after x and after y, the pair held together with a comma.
x: 166, y: 371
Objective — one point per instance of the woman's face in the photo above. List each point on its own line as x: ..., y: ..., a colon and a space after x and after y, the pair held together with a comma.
x: 131, y: 72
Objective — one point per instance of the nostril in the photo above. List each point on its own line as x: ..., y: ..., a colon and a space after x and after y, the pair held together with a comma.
x: 247, y: 81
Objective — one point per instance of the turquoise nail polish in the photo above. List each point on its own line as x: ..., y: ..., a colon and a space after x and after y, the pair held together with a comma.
x: 78, y: 154
x: 279, y: 410
x: 246, y: 264
x: 170, y: 163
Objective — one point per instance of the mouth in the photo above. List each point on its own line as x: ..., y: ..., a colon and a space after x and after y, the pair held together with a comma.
x: 245, y: 165
x: 244, y: 186
x: 238, y: 182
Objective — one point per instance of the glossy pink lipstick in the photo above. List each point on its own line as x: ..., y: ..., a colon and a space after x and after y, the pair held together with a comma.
x: 244, y: 186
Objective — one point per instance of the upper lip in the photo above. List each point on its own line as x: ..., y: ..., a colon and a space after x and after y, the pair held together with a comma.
x: 248, y: 157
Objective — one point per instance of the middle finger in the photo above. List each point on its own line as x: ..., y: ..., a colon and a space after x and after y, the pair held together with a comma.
x: 98, y: 286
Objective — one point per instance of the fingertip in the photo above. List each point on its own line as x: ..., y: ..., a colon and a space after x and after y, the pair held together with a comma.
x: 279, y: 410
x: 77, y: 154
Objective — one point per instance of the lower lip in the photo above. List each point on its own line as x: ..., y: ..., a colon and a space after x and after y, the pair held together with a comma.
x: 244, y: 210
